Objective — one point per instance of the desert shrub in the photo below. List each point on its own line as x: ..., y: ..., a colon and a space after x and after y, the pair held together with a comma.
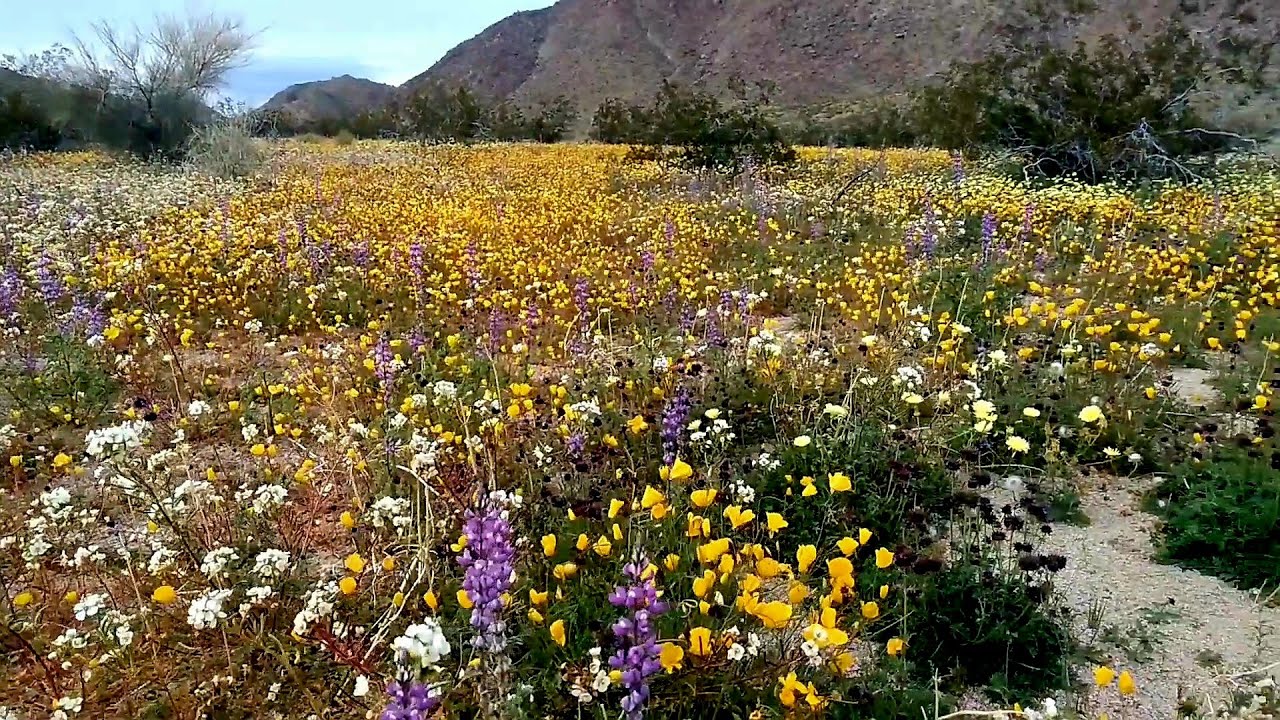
x: 693, y: 130
x: 344, y: 137
x: 225, y: 149
x: 989, y: 628
x: 1102, y: 111
x: 23, y: 124
x: 1222, y: 517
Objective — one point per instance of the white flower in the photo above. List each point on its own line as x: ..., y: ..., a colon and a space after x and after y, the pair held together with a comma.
x: 737, y: 652
x: 422, y: 644
x: 445, y: 390
x: 268, y: 497
x: 68, y: 705
x: 601, y: 682
x: 206, y: 610
x: 215, y: 562
x: 271, y: 563
x: 124, y: 635
x: 197, y: 408
x: 362, y: 686
x: 89, y: 606
x: 115, y: 439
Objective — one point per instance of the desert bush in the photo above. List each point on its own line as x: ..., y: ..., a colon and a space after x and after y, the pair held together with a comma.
x: 344, y: 137
x: 693, y: 130
x: 1222, y: 516
x: 226, y: 148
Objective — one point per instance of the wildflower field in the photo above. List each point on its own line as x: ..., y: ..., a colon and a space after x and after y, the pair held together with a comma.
x: 535, y: 432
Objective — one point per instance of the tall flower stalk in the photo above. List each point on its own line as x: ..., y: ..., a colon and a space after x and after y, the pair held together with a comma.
x: 488, y: 559
x: 638, y: 657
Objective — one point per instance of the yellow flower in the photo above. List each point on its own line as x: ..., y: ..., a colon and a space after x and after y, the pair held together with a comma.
x: 548, y: 545
x: 24, y: 599
x: 775, y: 522
x: 894, y: 646
x: 702, y: 498
x: 797, y: 593
x: 388, y: 564
x: 164, y: 594
x: 839, y: 482
x: 671, y: 657
x: 464, y: 599
x: 637, y: 425
x: 1017, y: 444
x: 564, y: 571
x: 884, y: 591
x: 1126, y: 684
x: 672, y: 562
x: 801, y: 441
x: 700, y: 641
x: 864, y: 536
x: 602, y: 547
x: 1030, y: 412
x: 847, y: 545
x: 355, y: 563
x: 1103, y: 676
x: 702, y: 585
x: 583, y: 543
x: 61, y: 460
x: 870, y: 610
x: 537, y: 598
x: 677, y: 472
x: 1091, y: 414
x: 347, y: 585
x: 347, y: 519
x: 805, y: 555
x: 431, y: 600
x: 558, y: 633
x: 650, y: 498
x: 535, y: 617
x: 884, y: 558
x: 738, y: 517
x: 768, y: 568
x: 774, y: 614
x: 615, y: 506
x: 71, y: 597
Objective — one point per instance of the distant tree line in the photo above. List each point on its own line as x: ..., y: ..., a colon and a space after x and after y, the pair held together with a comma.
x: 439, y: 113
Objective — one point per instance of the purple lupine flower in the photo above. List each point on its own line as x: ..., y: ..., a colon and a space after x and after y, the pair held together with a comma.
x: 11, y: 291
x: 417, y: 340
x: 497, y: 329
x: 674, y: 418
x: 687, y: 316
x: 409, y: 701
x: 473, y: 264
x: 988, y: 234
x: 282, y: 249
x: 360, y: 255
x: 957, y: 162
x: 576, y: 444
x: 639, y: 657
x: 384, y: 366
x: 817, y: 229
x: 646, y: 260
x: 488, y: 559
x: 669, y: 234
x: 48, y: 280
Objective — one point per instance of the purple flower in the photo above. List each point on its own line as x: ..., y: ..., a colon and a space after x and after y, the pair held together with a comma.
x: 11, y: 292
x: 674, y: 418
x: 409, y: 701
x: 384, y: 366
x: 490, y: 570
x: 988, y: 235
x: 638, y: 657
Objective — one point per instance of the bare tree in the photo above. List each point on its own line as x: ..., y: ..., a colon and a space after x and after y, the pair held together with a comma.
x: 167, y: 69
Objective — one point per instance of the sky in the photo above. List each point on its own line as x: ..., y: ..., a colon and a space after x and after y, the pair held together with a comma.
x: 299, y: 40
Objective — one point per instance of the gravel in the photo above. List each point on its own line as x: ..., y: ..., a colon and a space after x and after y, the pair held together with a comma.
x: 1198, y: 630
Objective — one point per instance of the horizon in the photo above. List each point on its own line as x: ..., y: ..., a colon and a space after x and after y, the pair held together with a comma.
x: 297, y: 42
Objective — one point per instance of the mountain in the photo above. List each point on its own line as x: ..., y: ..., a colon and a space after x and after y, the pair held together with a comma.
x: 809, y: 51
x: 340, y: 97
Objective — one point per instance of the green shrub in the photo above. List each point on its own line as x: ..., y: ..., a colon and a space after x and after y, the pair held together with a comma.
x: 982, y: 627
x: 1222, y: 517
x: 344, y: 137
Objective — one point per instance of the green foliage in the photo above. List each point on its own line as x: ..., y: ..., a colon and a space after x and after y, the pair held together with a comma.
x: 989, y: 628
x: 23, y: 124
x: 1102, y: 111
x: 1222, y: 517
x: 693, y: 130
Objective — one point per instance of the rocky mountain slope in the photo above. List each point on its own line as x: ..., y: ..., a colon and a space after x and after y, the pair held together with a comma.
x: 810, y: 50
x: 339, y: 97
